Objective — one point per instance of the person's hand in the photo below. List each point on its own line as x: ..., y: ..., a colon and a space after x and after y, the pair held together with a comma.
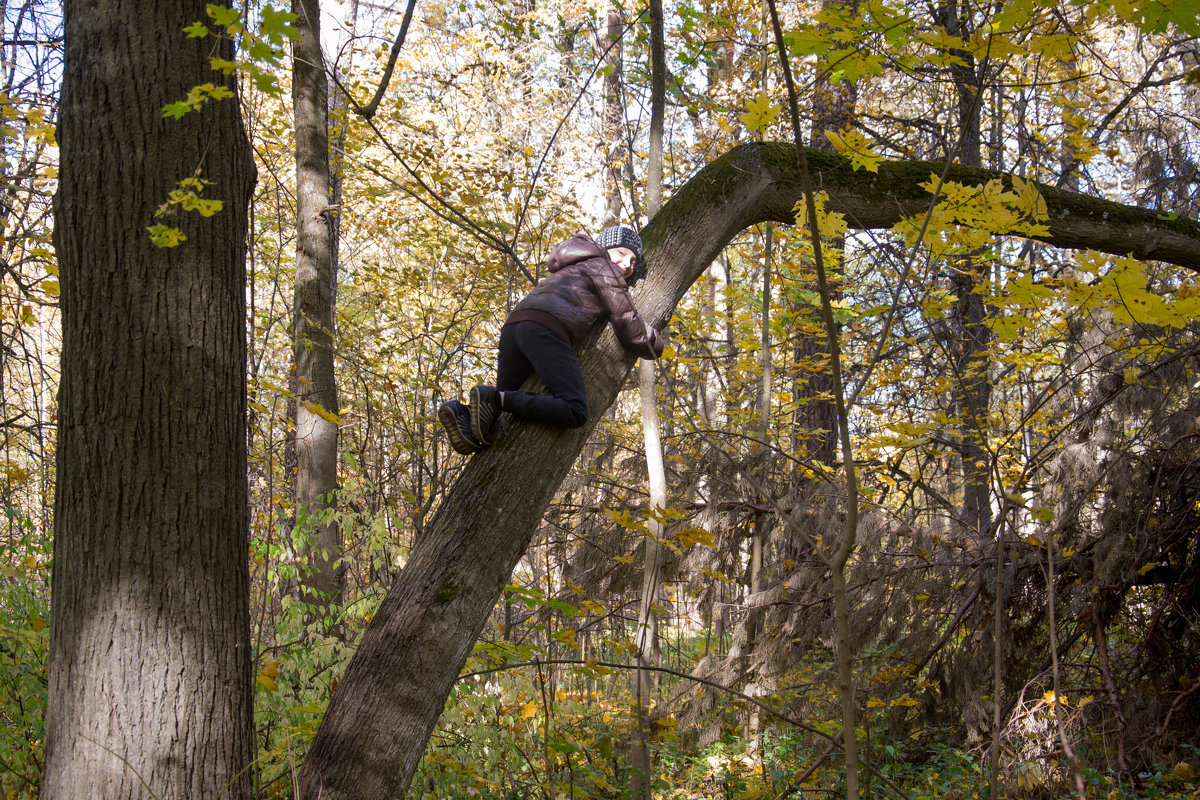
x: 658, y: 339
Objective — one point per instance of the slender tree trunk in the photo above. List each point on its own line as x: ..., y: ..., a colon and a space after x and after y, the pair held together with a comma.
x: 762, y: 464
x: 339, y: 119
x: 612, y: 123
x: 833, y: 108
x: 967, y: 341
x: 758, y: 545
x: 396, y: 685
x: 150, y: 686
x: 837, y: 556
x: 316, y: 425
x: 969, y: 334
x: 647, y: 627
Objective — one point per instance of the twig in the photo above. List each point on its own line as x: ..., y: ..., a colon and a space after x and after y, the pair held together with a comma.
x: 370, y: 108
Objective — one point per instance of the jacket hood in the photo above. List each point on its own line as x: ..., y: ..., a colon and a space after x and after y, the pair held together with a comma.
x: 579, y: 247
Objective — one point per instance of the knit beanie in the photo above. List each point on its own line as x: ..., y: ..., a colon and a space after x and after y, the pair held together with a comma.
x: 620, y: 236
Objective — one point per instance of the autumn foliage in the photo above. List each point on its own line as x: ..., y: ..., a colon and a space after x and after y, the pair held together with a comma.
x: 1024, y: 593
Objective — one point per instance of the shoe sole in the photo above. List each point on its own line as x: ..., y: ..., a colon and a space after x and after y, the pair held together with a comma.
x: 449, y: 421
x: 482, y: 429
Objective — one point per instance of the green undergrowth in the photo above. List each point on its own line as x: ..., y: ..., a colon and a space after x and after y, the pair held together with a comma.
x: 24, y: 646
x: 302, y: 643
x: 535, y: 716
x: 505, y: 737
x: 531, y: 722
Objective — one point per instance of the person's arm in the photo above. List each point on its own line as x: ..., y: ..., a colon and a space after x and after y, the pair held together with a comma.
x: 635, y: 334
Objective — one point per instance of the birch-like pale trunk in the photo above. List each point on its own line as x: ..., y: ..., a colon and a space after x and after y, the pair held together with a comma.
x: 647, y: 624
x: 316, y: 387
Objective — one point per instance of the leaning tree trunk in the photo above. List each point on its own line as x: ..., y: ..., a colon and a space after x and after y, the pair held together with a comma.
x: 385, y: 707
x: 150, y: 686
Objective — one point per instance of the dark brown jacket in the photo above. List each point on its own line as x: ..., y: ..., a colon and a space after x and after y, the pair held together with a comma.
x: 583, y: 289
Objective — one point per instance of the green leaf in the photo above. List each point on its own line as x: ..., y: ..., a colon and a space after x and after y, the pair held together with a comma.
x: 224, y: 66
x: 278, y: 25
x: 177, y: 110
x: 266, y: 83
x: 807, y: 40
x: 258, y: 50
x: 219, y: 92
x: 197, y: 30
x: 224, y: 16
x: 166, y: 236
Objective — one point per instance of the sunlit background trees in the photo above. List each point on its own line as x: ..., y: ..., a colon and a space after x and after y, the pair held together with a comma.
x: 1023, y: 595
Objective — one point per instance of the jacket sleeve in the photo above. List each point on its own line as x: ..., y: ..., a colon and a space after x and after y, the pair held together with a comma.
x: 635, y: 334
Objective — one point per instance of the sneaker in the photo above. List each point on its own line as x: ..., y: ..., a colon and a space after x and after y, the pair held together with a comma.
x: 456, y: 419
x: 485, y: 412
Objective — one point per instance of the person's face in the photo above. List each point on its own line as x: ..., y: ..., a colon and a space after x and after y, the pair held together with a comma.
x: 624, y: 258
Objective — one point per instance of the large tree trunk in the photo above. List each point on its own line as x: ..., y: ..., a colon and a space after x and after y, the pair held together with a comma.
x: 150, y: 689
x: 394, y: 688
x: 316, y: 426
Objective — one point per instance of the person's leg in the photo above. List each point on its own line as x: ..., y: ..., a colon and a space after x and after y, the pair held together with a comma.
x: 533, y: 347
x: 512, y: 367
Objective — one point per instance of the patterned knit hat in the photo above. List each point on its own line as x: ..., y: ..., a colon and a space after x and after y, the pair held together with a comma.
x: 620, y: 236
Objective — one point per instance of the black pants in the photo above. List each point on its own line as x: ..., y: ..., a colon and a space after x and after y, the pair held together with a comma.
x: 530, y: 347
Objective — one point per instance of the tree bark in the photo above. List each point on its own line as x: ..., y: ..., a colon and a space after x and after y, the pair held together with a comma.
x: 646, y: 632
x: 316, y: 430
x: 386, y: 705
x: 646, y: 636
x: 150, y: 685
x: 612, y: 124
x: 969, y: 335
x: 834, y: 103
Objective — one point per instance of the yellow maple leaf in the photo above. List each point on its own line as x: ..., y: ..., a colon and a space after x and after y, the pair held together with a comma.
x: 760, y: 113
x: 854, y: 145
x: 690, y: 536
x: 322, y: 412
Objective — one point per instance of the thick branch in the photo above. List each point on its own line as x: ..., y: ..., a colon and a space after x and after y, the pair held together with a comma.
x: 1076, y: 221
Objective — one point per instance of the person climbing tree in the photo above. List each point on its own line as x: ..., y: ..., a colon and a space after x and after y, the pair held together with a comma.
x: 587, y: 285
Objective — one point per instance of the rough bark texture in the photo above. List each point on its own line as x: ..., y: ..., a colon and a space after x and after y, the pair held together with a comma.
x: 394, y: 688
x: 969, y: 336
x: 834, y: 102
x: 613, y: 122
x: 150, y: 686
x: 316, y: 432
